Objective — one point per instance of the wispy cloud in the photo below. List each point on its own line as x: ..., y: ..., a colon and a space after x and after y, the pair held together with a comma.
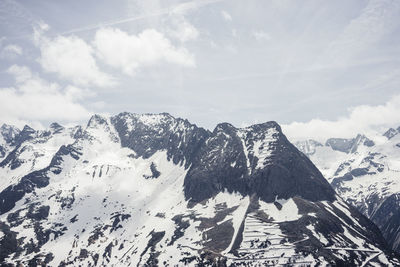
x: 226, y: 16
x: 11, y: 51
x: 178, y: 9
x: 315, y: 68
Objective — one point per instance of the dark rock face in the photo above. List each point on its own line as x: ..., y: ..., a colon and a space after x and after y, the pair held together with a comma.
x: 56, y: 128
x: 151, y: 133
x: 27, y: 133
x: 215, y: 168
x: 9, y: 242
x: 336, y: 182
x: 27, y: 184
x: 222, y: 164
x: 389, y: 134
x: 2, y: 151
x: 12, y: 159
x: 389, y: 225
x: 154, y: 172
x: 15, y: 139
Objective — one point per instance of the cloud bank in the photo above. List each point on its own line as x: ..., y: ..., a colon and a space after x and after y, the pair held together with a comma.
x: 34, y: 99
x: 365, y: 119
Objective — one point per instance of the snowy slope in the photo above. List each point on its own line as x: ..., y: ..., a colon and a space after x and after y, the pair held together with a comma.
x: 367, y: 175
x: 151, y: 189
x: 33, y: 150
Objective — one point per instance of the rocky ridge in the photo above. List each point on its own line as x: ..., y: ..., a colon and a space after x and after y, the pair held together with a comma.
x: 151, y: 189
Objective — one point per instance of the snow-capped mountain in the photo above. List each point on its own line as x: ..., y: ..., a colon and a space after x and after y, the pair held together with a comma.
x: 7, y: 136
x: 366, y: 174
x: 151, y: 189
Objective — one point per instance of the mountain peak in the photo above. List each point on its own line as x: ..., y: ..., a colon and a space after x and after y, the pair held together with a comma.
x: 254, y: 160
x: 55, y: 127
x: 389, y: 134
x: 96, y: 120
x: 349, y: 145
x: 9, y: 132
x: 27, y: 129
x: 264, y: 126
x: 224, y: 126
x: 168, y: 192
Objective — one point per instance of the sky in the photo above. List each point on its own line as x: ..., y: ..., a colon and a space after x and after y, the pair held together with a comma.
x: 319, y: 68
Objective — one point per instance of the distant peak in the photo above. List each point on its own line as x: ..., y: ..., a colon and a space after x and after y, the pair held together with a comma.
x: 389, y: 134
x: 55, y: 127
x: 149, y: 119
x: 95, y: 120
x: 362, y: 139
x: 9, y: 128
x: 265, y: 125
x: 349, y: 145
x: 255, y: 127
x: 224, y: 126
x: 340, y: 144
x: 9, y: 132
x: 27, y: 128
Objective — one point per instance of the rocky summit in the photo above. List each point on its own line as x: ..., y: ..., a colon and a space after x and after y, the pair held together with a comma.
x: 154, y: 190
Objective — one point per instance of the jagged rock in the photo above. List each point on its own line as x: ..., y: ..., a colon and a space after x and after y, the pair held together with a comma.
x: 154, y: 190
x: 281, y: 172
x: 390, y: 133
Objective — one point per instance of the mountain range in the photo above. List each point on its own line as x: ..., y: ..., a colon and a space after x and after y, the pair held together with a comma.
x: 155, y: 190
x: 366, y: 174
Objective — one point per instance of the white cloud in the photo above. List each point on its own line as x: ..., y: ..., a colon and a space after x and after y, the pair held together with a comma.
x: 183, y: 30
x: 184, y: 8
x: 365, y: 119
x: 231, y: 48
x: 98, y: 105
x: 234, y: 33
x: 129, y: 52
x: 261, y: 35
x: 11, y: 51
x: 72, y: 59
x: 178, y: 9
x: 74, y: 93
x: 226, y: 16
x: 34, y: 99
x: 20, y: 73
